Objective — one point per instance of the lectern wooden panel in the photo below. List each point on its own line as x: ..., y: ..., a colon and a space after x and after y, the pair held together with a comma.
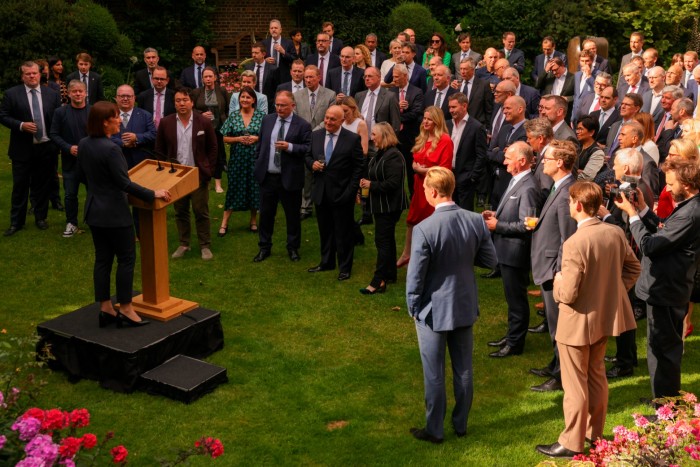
x: 180, y: 180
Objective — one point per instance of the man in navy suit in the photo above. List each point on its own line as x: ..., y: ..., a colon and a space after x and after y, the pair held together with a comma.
x: 469, y: 161
x: 336, y: 161
x: 530, y: 94
x: 633, y: 81
x: 27, y: 110
x: 285, y: 138
x: 159, y: 100
x: 376, y: 56
x: 607, y: 114
x: 297, y: 75
x: 652, y: 98
x: 143, y: 78
x: 323, y: 58
x: 266, y: 74
x: 191, y: 76
x: 335, y: 45
x: 68, y: 127
x: 92, y: 80
x: 417, y: 75
x: 281, y: 51
x: 477, y: 91
x: 512, y: 242
x: 548, y: 53
x: 591, y: 102
x: 347, y: 79
x: 442, y: 91
x: 512, y: 130
x: 137, y: 133
x: 515, y: 57
x: 584, y: 80
x: 600, y: 64
x: 445, y: 248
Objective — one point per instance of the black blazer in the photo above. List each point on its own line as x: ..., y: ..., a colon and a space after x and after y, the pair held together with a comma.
x: 539, y: 64
x: 431, y: 95
x: 471, y: 152
x: 284, y: 64
x: 67, y: 129
x: 142, y: 81
x: 187, y: 78
x: 333, y: 61
x: 102, y: 167
x: 94, y: 88
x: 545, y: 83
x: 270, y: 81
x: 603, y: 132
x: 336, y: 77
x: 532, y: 100
x: 292, y: 163
x: 387, y: 173
x: 145, y: 101
x: 336, y: 46
x: 15, y: 110
x: 141, y: 124
x: 419, y: 78
x: 380, y: 57
x: 480, y: 100
x: 339, y: 180
x: 412, y: 117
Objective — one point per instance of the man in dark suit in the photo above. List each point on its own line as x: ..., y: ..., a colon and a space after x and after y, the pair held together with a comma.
x: 347, y: 79
x: 668, y: 268
x: 265, y: 73
x: 477, y: 91
x: 188, y: 138
x: 142, y: 78
x: 530, y: 94
x: 512, y: 242
x: 417, y: 75
x: 191, y: 76
x: 281, y: 51
x: 554, y: 109
x: 410, y: 37
x: 548, y: 53
x: 652, y: 97
x: 68, y: 127
x: 323, y: 58
x: 631, y: 136
x: 469, y: 138
x: 378, y: 104
x: 137, y: 133
x: 584, y: 80
x: 630, y: 105
x: 515, y: 57
x: 411, y: 105
x: 439, y: 95
x: 27, y: 110
x: 600, y: 64
x: 335, y: 45
x: 680, y: 110
x: 607, y: 115
x: 92, y: 80
x: 556, y: 80
x: 376, y: 56
x: 284, y: 140
x: 297, y: 75
x: 636, y: 49
x: 553, y: 226
x: 159, y: 100
x: 591, y: 102
x: 448, y: 244
x: 539, y: 135
x: 633, y: 82
x: 336, y: 161
x: 465, y: 51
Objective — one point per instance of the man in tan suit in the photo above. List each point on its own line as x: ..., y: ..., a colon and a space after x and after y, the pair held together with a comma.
x: 598, y: 268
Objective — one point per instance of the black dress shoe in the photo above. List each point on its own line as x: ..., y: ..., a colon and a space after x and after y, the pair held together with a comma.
x: 555, y: 450
x: 639, y: 313
x: 294, y: 254
x: 540, y: 328
x: 495, y: 274
x: 460, y: 434
x: 343, y: 276
x: 499, y: 343
x: 552, y: 384
x: 261, y: 256
x: 12, y: 230
x: 619, y: 372
x: 318, y: 268
x: 305, y: 215
x: 506, y: 351
x: 541, y: 372
x: 421, y: 434
x: 56, y: 204
x: 42, y: 224
x: 105, y: 319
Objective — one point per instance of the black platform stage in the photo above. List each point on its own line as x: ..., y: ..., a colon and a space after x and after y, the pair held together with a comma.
x: 118, y: 357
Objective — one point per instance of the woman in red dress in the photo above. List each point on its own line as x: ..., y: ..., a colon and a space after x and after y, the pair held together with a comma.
x: 433, y: 147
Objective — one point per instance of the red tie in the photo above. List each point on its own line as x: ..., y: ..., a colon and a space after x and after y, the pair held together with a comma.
x: 661, y: 126
x: 597, y: 105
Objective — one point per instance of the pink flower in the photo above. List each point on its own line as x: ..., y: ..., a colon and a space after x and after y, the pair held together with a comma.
x: 640, y: 420
x: 42, y: 446
x: 27, y: 427
x: 690, y: 398
x: 696, y: 412
x: 665, y: 412
x: 31, y: 462
x: 3, y: 440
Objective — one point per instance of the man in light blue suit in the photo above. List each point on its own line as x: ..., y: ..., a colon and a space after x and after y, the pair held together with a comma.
x: 442, y: 299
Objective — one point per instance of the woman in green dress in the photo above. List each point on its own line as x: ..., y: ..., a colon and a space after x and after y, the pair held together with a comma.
x: 241, y: 130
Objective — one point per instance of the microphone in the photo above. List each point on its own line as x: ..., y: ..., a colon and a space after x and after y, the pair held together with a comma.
x: 172, y: 168
x: 154, y: 154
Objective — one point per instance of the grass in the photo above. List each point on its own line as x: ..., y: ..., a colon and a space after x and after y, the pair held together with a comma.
x: 302, y: 351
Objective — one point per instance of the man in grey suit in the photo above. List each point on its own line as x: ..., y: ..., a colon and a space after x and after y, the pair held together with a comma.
x: 554, y: 226
x: 512, y: 241
x: 554, y: 109
x: 465, y: 46
x: 383, y: 107
x: 311, y: 105
x: 444, y: 250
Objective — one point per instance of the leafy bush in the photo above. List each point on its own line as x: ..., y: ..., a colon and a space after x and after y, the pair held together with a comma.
x: 417, y: 17
x: 100, y: 34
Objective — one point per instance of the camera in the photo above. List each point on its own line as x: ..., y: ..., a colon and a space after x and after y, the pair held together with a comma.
x: 628, y: 187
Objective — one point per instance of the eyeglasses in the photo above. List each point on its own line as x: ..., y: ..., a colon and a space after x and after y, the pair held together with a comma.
x: 125, y: 96
x: 549, y: 158
x: 580, y: 129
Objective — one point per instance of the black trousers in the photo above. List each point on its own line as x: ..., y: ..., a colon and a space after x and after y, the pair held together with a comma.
x: 110, y: 242
x: 271, y: 193
x: 515, y: 282
x: 385, y: 241
x: 35, y: 173
x: 335, y: 226
x: 464, y: 195
x: 665, y: 348
x: 551, y: 309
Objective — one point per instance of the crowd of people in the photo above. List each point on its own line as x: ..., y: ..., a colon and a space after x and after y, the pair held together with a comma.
x: 321, y: 129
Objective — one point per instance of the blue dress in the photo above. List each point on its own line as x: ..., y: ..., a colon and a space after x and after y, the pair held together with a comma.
x: 243, y: 192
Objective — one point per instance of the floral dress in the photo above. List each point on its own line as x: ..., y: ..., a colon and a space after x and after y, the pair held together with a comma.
x: 243, y: 192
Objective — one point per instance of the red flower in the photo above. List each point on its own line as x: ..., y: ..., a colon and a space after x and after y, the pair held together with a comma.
x: 89, y: 440
x: 119, y: 454
x: 210, y: 446
x: 54, y: 419
x: 69, y: 447
x: 79, y: 418
x: 34, y: 413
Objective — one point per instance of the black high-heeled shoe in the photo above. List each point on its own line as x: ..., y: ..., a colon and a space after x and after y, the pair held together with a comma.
x: 105, y: 319
x: 125, y: 320
x: 380, y: 289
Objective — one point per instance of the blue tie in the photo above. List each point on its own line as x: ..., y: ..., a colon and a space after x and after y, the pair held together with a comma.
x: 329, y: 147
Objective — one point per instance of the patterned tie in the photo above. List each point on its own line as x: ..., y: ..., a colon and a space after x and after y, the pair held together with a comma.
x: 661, y: 125
x: 125, y: 120
x: 157, y: 116
x: 278, y: 152
x: 346, y: 83
x: 275, y: 53
x: 38, y: 119
x: 329, y: 148
x: 370, y: 113
x: 313, y: 101
x: 438, y: 99
x: 320, y: 69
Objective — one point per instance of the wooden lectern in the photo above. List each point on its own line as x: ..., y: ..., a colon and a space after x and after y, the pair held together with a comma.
x: 180, y: 180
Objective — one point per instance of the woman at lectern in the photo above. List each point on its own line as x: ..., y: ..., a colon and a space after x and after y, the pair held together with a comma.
x: 102, y: 167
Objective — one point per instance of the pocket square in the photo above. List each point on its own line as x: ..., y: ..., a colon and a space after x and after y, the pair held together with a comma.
x: 514, y: 197
x: 200, y: 132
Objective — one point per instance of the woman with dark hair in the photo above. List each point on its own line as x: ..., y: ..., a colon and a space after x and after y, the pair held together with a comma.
x: 102, y: 167
x: 386, y: 177
x: 242, y: 130
x: 56, y: 75
x: 301, y: 49
x: 213, y: 100
x: 438, y: 47
x: 591, y: 159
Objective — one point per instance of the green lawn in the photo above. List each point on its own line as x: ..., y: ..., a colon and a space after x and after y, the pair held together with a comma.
x: 302, y: 351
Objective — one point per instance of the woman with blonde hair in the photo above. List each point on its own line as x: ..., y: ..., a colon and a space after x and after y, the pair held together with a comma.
x: 362, y: 59
x: 388, y: 64
x: 354, y: 121
x: 648, y: 143
x: 691, y: 130
x: 433, y: 147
